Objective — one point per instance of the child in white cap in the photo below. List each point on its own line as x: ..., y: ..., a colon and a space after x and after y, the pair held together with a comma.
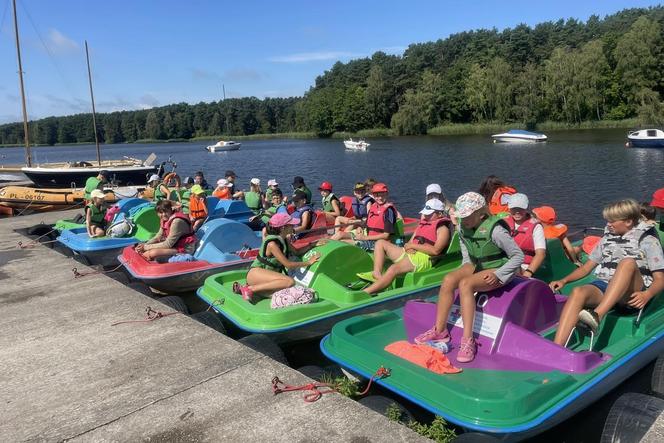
x: 431, y: 238
x: 528, y: 234
x: 254, y: 197
x: 490, y: 258
x: 95, y: 211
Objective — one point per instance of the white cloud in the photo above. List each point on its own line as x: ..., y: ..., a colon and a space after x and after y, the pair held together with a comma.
x: 59, y: 43
x: 304, y: 57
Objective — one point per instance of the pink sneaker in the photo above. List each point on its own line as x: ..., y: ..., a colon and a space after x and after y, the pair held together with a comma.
x: 467, y: 350
x: 432, y: 335
x: 246, y: 292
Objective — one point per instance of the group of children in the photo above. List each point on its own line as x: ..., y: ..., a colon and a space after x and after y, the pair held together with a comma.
x: 500, y: 239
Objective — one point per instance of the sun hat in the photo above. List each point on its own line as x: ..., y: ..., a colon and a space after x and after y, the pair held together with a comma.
x: 272, y: 182
x: 255, y: 181
x: 280, y: 219
x: 469, y: 203
x: 432, y: 205
x: 545, y: 214
x: 96, y: 193
x: 434, y: 188
x: 658, y: 199
x: 223, y: 183
x: 379, y: 187
x: 154, y: 177
x: 197, y: 189
x: 325, y: 186
x: 230, y: 173
x: 518, y: 200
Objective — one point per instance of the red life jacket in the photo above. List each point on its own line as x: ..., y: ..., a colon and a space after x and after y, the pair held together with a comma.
x: 495, y: 205
x: 523, y: 236
x: 426, y: 230
x: 376, y: 218
x: 183, y: 240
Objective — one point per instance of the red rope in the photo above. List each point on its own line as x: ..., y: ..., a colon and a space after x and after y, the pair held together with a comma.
x: 150, y: 315
x: 84, y: 274
x: 380, y: 373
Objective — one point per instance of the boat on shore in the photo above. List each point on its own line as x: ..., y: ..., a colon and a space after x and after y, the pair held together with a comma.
x: 356, y: 145
x: 519, y: 136
x: 222, y: 146
x: 646, y: 138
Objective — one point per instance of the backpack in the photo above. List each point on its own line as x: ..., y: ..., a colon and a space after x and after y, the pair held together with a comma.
x: 121, y: 228
x: 295, y: 295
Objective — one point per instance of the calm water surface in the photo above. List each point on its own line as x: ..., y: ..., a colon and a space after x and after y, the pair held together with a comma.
x: 577, y: 172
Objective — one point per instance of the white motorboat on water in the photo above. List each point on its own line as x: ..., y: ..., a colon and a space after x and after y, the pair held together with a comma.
x: 359, y: 145
x: 646, y: 138
x: 519, y: 136
x: 222, y: 145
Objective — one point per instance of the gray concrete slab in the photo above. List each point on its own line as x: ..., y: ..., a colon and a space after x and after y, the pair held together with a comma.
x: 66, y: 373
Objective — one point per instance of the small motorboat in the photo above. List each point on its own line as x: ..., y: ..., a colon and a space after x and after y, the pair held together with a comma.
x: 646, y: 138
x: 359, y: 145
x: 519, y: 136
x: 222, y: 145
x: 224, y: 245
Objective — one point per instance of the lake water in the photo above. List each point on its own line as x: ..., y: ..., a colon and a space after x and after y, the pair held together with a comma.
x: 576, y: 172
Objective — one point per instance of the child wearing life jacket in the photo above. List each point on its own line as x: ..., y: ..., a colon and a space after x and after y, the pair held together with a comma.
x: 277, y: 207
x: 95, y: 182
x: 303, y: 213
x: 175, y: 235
x: 223, y: 190
x: 629, y: 269
x: 435, y: 191
x: 198, y: 211
x: 330, y: 202
x: 360, y: 205
x: 527, y: 233
x: 431, y: 238
x: 380, y: 225
x: 268, y: 272
x: 547, y: 216
x: 254, y: 197
x: 95, y: 211
x: 272, y: 185
x: 185, y: 194
x: 490, y: 259
x: 161, y: 191
x: 298, y: 185
x: 496, y: 193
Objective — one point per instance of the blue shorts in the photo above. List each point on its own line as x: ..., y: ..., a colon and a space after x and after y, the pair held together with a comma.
x: 600, y: 284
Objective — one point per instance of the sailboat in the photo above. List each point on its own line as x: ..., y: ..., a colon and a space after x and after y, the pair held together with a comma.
x: 126, y: 171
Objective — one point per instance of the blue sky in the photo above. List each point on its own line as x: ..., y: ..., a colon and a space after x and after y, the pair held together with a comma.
x: 149, y: 53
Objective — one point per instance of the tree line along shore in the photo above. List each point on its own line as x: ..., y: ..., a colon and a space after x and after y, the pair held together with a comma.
x: 568, y: 74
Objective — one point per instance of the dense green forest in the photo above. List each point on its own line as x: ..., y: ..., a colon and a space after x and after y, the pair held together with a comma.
x: 567, y: 71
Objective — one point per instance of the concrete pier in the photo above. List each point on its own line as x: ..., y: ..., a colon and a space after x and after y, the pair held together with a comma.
x: 67, y: 374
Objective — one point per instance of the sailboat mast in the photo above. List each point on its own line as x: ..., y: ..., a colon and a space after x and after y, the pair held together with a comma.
x: 94, y: 112
x: 26, y: 137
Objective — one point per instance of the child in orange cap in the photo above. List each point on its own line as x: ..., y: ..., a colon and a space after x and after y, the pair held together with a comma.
x: 547, y: 216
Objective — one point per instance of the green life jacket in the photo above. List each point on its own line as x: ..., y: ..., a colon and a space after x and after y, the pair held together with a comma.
x: 91, y: 184
x: 269, y: 212
x: 306, y: 191
x: 184, y: 199
x: 158, y: 195
x: 270, y: 263
x: 327, y: 202
x: 483, y: 252
x: 253, y: 200
x: 96, y: 214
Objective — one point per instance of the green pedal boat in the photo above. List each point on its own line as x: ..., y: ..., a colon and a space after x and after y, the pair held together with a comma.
x: 334, y: 278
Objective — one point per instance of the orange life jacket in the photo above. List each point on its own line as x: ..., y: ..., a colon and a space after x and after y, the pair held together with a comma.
x: 495, y: 205
x: 222, y: 194
x: 555, y: 231
x: 197, y: 208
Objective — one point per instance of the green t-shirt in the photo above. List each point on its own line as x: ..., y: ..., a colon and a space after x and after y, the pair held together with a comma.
x: 91, y: 184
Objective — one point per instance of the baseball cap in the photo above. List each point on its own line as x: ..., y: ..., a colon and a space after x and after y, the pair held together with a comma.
x: 96, y: 193
x: 545, y: 214
x: 188, y: 181
x: 379, y: 187
x: 103, y: 173
x: 518, y: 201
x: 434, y: 188
x: 325, y: 186
x: 222, y: 182
x: 658, y: 199
x: 360, y: 186
x: 299, y: 195
x: 272, y: 182
x: 297, y: 180
x: 255, y: 181
x: 230, y: 173
x: 154, y: 177
x: 432, y: 205
x: 469, y: 203
x: 280, y: 219
x: 197, y: 189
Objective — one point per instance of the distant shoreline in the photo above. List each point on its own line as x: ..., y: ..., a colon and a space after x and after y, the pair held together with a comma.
x: 443, y: 130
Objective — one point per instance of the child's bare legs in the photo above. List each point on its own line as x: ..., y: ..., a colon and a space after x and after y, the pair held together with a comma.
x: 446, y: 294
x: 626, y: 280
x: 398, y: 268
x: 264, y: 280
x: 580, y: 297
x: 342, y: 223
x: 467, y: 288
x: 97, y: 231
x: 153, y: 254
x: 344, y: 235
x: 382, y: 248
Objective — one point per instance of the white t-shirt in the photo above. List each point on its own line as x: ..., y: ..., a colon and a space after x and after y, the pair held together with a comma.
x: 539, y: 240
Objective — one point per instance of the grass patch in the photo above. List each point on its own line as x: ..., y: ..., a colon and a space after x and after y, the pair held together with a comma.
x: 256, y: 136
x: 343, y: 385
x: 473, y: 128
x: 627, y: 123
x: 365, y: 133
